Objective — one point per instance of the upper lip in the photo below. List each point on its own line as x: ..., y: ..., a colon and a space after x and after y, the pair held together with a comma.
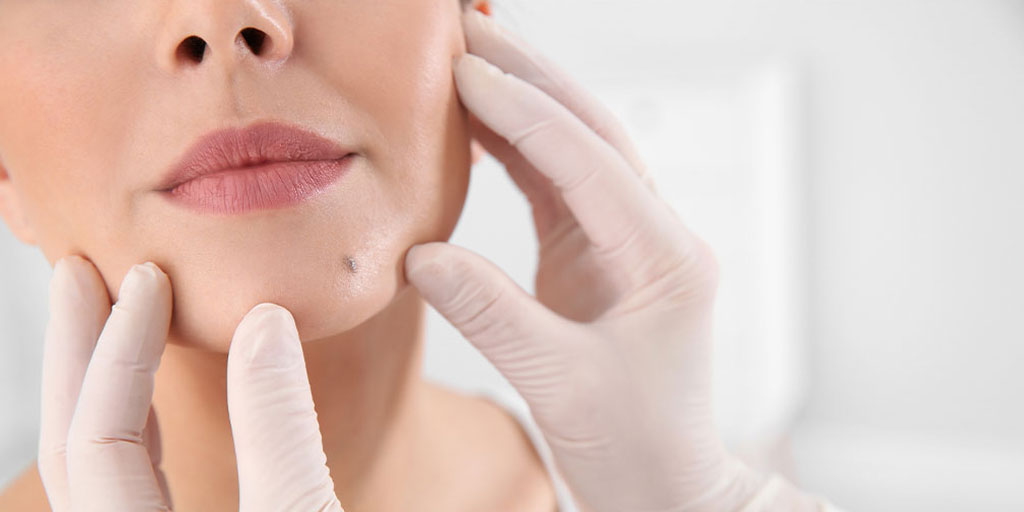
x: 258, y: 143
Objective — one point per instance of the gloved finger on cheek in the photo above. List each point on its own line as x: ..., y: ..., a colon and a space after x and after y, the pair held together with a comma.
x: 106, y: 452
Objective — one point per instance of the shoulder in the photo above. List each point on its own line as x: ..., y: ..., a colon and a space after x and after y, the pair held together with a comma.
x: 530, y: 485
x: 501, y: 449
x: 25, y: 493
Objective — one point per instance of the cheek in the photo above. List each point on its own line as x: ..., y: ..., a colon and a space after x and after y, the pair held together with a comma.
x: 397, y: 70
x: 431, y: 157
x: 64, y: 98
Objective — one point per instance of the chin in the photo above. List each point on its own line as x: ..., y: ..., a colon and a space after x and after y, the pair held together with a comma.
x: 325, y: 296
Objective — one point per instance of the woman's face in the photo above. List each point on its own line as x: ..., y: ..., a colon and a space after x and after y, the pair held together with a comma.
x: 99, y: 99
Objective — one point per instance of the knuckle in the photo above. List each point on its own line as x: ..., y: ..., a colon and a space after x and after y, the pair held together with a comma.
x: 475, y: 311
x: 694, y: 280
x: 462, y: 292
x: 687, y: 273
x: 628, y: 238
x: 90, y: 447
x: 708, y: 260
x: 579, y: 419
x: 540, y: 128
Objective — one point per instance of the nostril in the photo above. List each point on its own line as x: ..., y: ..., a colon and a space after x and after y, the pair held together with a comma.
x: 192, y: 48
x: 254, y: 39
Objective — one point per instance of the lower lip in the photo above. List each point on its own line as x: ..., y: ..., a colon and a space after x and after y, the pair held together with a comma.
x: 259, y: 187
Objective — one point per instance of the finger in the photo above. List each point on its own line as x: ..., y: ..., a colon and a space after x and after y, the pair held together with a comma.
x: 624, y: 222
x: 79, y: 306
x: 151, y: 440
x: 545, y: 199
x: 506, y: 50
x: 281, y: 461
x: 508, y: 326
x: 109, y: 466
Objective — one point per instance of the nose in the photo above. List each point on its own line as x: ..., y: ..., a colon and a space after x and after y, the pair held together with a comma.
x: 228, y: 31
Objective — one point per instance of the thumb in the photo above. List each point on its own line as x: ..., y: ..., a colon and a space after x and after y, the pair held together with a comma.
x: 507, y: 325
x: 281, y: 461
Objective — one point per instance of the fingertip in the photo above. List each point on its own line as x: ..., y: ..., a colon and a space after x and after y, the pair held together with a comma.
x: 159, y: 277
x: 442, y: 272
x: 478, y: 63
x: 423, y: 259
x: 150, y: 271
x: 61, y: 263
x: 144, y: 281
x: 469, y: 66
x: 61, y: 274
x: 477, y: 81
x: 458, y: 67
x: 72, y: 264
x: 264, y: 316
x: 265, y: 308
x: 267, y: 336
x: 77, y: 283
x: 154, y: 269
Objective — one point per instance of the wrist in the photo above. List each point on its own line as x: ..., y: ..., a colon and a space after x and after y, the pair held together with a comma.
x: 737, y: 485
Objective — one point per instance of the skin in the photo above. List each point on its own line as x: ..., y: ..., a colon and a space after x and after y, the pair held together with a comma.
x: 107, y: 85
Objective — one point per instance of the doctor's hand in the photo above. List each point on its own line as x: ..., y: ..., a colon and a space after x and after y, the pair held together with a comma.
x: 99, y: 446
x: 613, y: 355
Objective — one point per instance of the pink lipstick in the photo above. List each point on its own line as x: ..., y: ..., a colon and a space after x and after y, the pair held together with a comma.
x: 265, y: 165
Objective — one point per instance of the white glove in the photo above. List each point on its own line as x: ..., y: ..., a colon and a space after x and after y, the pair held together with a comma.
x: 99, y: 446
x: 614, y: 355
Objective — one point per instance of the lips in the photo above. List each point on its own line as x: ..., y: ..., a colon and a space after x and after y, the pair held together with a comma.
x: 264, y: 165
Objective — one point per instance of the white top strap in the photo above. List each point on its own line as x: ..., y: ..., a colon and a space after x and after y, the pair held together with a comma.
x: 766, y: 497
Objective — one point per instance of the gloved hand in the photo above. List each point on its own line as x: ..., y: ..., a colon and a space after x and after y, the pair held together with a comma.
x: 613, y: 356
x: 99, y: 446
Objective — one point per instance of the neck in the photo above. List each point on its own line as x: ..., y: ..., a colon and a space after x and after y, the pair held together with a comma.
x: 367, y: 389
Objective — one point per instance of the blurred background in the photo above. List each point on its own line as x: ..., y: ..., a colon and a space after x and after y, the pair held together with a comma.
x: 859, y: 168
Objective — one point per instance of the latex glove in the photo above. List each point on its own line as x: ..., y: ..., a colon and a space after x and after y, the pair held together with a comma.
x: 613, y: 357
x: 99, y: 446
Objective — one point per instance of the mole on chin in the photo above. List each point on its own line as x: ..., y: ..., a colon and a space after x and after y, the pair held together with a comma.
x: 350, y: 264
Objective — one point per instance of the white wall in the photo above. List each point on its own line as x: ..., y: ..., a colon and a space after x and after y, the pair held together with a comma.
x: 912, y: 149
x: 24, y: 276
